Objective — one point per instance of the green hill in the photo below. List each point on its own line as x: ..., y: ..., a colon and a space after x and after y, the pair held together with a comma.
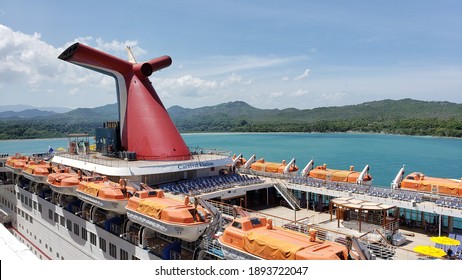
x: 406, y: 116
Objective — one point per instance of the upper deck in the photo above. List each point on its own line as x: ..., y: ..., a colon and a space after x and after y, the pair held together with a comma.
x: 112, y: 166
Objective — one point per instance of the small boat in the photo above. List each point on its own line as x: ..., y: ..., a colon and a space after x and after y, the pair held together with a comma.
x: 169, y: 216
x: 273, y: 167
x: 16, y: 163
x: 345, y: 176
x: 250, y: 238
x: 101, y: 192
x: 417, y: 181
x: 65, y: 181
x: 38, y: 171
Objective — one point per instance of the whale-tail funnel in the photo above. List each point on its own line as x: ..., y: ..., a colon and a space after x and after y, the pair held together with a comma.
x: 145, y: 126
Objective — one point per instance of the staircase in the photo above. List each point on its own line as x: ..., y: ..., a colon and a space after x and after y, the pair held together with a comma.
x: 382, y: 251
x: 281, y: 187
x: 215, y: 226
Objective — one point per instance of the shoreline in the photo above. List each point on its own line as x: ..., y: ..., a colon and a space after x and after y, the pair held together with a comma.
x: 260, y: 133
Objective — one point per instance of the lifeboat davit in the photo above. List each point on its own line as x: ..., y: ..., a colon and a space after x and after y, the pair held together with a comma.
x: 169, y: 216
x: 256, y: 238
x: 345, y: 176
x: 105, y: 194
x: 272, y: 167
x: 417, y: 181
x: 239, y: 161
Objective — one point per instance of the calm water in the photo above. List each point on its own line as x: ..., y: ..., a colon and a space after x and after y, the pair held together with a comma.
x: 385, y: 154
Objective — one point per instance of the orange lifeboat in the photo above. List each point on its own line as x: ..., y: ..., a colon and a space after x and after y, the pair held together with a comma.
x: 105, y: 194
x: 38, y: 171
x: 272, y: 167
x: 256, y: 238
x: 417, y: 181
x: 16, y: 163
x: 334, y: 175
x: 66, y: 181
x: 168, y: 216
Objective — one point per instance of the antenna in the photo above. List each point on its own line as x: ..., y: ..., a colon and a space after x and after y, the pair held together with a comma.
x: 131, y: 57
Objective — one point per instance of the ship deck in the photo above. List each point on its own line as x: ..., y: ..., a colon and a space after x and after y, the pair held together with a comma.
x: 414, y: 237
x: 114, y: 166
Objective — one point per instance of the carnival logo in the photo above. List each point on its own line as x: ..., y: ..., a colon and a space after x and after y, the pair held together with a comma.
x: 195, y: 165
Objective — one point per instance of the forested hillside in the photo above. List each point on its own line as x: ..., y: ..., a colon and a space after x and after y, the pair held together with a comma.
x: 410, y: 117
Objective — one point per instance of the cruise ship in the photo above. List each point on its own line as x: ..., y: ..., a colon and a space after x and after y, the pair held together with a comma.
x: 142, y: 194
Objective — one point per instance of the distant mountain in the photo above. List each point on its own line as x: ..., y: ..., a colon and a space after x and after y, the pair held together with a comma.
x: 25, y: 114
x: 98, y: 114
x: 406, y: 116
x: 19, y: 108
x: 375, y: 110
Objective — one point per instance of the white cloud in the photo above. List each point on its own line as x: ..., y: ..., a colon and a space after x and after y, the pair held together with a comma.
x: 73, y: 91
x: 225, y: 65
x: 25, y: 58
x: 185, y: 85
x: 299, y: 92
x: 277, y: 94
x: 303, y: 76
x: 334, y: 96
x: 234, y: 79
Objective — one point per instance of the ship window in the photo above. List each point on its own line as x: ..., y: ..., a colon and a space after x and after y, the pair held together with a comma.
x: 76, y: 229
x: 237, y: 225
x: 123, y: 254
x: 113, y: 250
x: 50, y: 214
x: 40, y: 208
x: 137, y: 195
x: 69, y: 224
x: 255, y: 221
x: 62, y: 220
x: 410, y: 178
x: 84, y: 234
x: 102, y: 244
x: 92, y: 238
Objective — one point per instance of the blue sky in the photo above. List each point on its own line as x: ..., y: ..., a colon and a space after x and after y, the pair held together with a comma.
x: 270, y: 54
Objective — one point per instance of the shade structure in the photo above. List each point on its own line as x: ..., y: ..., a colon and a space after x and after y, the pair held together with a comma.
x: 444, y: 240
x: 430, y: 251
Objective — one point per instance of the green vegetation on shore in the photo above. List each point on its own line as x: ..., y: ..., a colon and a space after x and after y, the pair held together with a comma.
x: 408, y: 117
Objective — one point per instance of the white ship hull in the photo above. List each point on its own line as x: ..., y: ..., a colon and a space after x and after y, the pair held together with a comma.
x: 185, y: 232
x: 37, y: 179
x: 110, y: 205
x: 231, y: 253
x: 64, y: 190
x: 53, y: 233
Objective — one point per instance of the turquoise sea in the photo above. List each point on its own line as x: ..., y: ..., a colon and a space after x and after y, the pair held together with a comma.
x: 385, y: 154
